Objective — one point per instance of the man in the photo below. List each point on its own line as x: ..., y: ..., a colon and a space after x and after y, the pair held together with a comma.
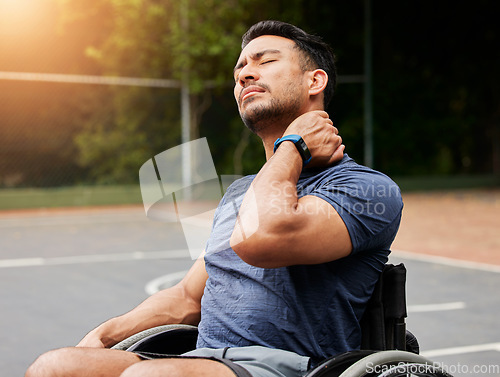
x: 285, y: 283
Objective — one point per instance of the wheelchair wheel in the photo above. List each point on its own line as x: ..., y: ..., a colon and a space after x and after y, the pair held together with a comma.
x: 166, y: 339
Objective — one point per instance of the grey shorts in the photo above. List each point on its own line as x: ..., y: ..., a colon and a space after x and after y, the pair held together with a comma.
x: 251, y: 361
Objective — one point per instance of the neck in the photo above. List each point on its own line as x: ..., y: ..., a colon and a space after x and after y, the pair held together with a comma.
x: 271, y: 133
x: 277, y: 129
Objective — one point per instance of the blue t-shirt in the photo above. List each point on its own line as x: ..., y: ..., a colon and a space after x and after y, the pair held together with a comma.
x: 313, y: 310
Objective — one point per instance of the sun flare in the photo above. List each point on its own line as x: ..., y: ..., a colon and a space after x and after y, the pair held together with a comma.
x: 21, y: 16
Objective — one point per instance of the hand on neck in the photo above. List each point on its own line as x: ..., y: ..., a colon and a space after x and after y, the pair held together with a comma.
x: 270, y: 133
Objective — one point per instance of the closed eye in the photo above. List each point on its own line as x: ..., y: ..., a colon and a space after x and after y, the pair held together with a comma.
x: 267, y: 61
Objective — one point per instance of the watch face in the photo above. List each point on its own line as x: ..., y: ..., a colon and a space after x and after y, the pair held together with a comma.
x: 306, y: 155
x: 303, y: 144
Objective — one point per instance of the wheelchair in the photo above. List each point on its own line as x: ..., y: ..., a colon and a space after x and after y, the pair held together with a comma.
x: 387, y: 349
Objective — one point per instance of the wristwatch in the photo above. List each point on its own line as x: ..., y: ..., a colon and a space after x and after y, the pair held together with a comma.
x: 299, y: 144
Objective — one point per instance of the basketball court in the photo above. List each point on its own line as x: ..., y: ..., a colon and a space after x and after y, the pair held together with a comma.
x: 62, y: 272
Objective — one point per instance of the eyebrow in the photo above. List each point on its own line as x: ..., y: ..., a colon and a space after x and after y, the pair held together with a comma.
x: 256, y: 56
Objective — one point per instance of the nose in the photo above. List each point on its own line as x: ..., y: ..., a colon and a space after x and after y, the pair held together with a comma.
x: 248, y: 73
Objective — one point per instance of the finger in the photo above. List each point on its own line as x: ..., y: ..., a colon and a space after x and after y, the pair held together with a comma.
x: 338, y: 154
x: 339, y: 139
x: 322, y: 113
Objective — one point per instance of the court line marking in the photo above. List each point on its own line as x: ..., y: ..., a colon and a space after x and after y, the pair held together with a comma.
x: 445, y: 261
x: 436, y: 307
x: 79, y: 220
x: 460, y: 350
x: 95, y: 258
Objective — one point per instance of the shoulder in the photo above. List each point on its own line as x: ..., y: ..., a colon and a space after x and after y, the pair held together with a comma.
x: 368, y: 201
x: 350, y: 179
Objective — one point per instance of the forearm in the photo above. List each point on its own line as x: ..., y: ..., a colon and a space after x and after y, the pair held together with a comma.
x: 273, y: 193
x: 270, y: 206
x: 275, y: 227
x: 165, y: 307
x: 272, y: 202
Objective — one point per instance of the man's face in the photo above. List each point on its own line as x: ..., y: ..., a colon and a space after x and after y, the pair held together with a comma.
x: 269, y: 83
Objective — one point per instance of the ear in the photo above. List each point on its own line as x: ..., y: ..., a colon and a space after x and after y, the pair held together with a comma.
x: 317, y: 82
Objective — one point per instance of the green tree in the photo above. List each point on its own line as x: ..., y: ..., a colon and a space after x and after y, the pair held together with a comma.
x: 188, y: 41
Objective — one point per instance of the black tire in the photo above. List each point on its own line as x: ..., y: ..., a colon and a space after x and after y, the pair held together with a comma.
x: 143, y: 339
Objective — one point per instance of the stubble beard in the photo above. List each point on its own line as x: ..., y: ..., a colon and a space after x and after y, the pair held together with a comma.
x: 275, y: 113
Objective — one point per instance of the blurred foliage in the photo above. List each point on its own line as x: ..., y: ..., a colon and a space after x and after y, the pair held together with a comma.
x: 436, y: 86
x: 182, y: 40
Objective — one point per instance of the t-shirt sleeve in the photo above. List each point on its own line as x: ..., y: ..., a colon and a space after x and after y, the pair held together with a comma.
x: 368, y: 202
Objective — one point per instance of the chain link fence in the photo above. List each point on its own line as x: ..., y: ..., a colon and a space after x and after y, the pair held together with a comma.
x: 42, y: 115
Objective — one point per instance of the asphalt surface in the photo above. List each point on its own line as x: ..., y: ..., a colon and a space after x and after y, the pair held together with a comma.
x: 63, y: 273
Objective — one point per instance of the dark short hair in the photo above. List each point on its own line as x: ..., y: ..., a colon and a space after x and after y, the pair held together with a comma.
x: 315, y: 52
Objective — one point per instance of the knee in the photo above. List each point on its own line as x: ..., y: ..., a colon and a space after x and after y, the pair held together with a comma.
x: 137, y: 370
x: 152, y: 368
x: 47, y: 364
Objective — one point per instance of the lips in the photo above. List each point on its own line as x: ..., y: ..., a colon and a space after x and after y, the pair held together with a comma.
x: 249, y: 91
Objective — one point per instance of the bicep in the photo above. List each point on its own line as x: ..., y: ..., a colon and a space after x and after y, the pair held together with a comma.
x: 321, y: 235
x: 310, y: 233
x: 193, y: 283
